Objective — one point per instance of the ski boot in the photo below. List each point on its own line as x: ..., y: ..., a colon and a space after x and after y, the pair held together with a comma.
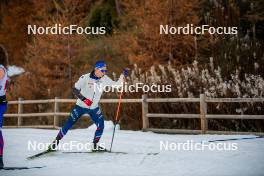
x: 98, y: 148
x: 1, y: 162
x: 53, y: 146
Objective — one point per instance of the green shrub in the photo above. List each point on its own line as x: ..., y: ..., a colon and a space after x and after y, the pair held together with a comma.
x: 104, y: 14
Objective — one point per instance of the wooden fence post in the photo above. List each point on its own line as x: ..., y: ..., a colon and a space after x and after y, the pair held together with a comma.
x: 203, y: 112
x: 145, y: 119
x: 56, y: 109
x: 19, y: 111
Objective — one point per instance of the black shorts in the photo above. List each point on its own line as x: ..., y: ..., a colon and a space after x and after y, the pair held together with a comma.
x: 3, y: 99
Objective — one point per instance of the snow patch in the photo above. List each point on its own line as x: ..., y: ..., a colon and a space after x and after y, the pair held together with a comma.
x: 247, y: 160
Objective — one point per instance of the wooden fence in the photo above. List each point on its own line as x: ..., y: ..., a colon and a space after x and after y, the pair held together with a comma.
x: 203, y: 116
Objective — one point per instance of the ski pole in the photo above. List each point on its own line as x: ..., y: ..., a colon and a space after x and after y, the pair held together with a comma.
x: 117, y: 115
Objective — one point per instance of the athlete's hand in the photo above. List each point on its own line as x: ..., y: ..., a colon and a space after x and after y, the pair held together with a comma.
x: 87, y: 102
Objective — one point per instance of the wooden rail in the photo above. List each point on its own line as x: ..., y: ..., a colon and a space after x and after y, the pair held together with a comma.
x: 203, y: 116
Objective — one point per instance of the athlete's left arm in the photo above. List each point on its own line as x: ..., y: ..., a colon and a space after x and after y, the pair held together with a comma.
x: 109, y: 82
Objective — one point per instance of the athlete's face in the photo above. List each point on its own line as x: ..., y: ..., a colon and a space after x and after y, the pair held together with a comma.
x: 100, y: 72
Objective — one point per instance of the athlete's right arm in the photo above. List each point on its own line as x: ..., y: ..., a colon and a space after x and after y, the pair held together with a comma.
x: 78, y: 86
x: 77, y: 91
x: 2, y: 73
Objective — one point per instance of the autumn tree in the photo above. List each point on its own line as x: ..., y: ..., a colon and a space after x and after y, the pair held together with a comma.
x: 243, y: 52
x: 14, y: 17
x: 52, y: 59
x: 146, y: 44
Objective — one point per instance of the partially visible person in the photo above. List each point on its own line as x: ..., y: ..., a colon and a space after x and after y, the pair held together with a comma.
x: 3, y: 101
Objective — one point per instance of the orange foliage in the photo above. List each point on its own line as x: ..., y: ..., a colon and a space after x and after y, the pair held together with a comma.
x: 146, y: 45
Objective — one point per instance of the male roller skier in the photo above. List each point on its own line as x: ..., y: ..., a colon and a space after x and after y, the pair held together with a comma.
x: 88, y: 98
x: 3, y: 101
